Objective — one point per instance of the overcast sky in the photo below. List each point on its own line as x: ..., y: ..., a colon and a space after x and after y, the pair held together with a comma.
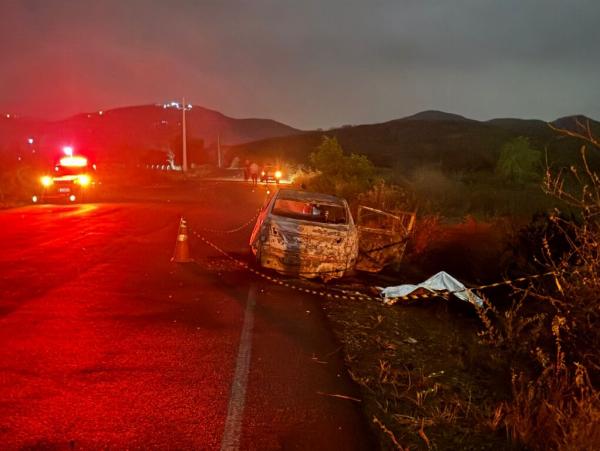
x: 306, y: 63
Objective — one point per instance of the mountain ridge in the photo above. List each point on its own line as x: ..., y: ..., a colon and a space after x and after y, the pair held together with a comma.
x: 128, y: 132
x: 446, y: 140
x: 433, y: 115
x: 426, y: 137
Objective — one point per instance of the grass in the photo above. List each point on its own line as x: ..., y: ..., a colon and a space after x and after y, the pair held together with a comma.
x: 521, y: 374
x: 426, y: 381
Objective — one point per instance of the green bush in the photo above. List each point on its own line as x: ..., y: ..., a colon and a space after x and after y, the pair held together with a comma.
x: 518, y: 162
x: 337, y: 173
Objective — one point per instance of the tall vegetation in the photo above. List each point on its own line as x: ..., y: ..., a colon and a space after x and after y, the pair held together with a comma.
x: 17, y: 177
x: 553, y: 329
x: 338, y: 173
x: 519, y: 162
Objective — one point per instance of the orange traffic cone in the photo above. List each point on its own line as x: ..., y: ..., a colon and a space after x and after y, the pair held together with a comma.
x: 182, y: 250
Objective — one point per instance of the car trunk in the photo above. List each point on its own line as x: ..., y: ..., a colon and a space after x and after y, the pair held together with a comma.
x: 308, y: 248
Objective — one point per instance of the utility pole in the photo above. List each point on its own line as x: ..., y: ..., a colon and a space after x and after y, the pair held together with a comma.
x: 184, y: 138
x: 219, y: 151
x: 182, y: 107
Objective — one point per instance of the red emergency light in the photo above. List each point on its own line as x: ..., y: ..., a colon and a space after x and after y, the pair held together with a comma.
x: 74, y: 161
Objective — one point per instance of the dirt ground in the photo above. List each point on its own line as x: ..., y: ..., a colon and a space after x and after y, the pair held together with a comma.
x: 426, y: 381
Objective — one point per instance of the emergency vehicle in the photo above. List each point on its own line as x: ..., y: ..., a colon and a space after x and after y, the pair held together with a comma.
x: 72, y: 179
x: 270, y: 174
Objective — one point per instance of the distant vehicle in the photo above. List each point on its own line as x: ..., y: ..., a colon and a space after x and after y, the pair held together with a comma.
x: 73, y: 179
x: 270, y: 174
x: 306, y: 234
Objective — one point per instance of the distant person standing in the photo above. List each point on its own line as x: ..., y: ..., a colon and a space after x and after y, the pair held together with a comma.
x: 246, y: 170
x: 254, y: 173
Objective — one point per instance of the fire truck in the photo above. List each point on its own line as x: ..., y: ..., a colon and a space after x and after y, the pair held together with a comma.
x: 73, y: 179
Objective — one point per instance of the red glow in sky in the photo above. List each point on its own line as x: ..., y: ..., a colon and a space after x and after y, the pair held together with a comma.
x: 309, y: 63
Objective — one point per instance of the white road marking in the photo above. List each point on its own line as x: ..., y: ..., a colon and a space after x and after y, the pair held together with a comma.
x: 237, y: 399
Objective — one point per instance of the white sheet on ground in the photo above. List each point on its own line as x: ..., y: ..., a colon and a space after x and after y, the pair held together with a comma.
x: 442, y: 281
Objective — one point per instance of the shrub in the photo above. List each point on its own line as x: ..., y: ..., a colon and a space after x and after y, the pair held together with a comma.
x: 337, y: 173
x: 388, y: 197
x: 17, y: 183
x: 552, y: 329
x: 518, y: 162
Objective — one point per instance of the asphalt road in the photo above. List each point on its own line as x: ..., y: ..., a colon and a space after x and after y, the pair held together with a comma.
x: 104, y: 343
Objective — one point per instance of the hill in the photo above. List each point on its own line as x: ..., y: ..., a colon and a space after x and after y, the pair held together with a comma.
x: 126, y: 133
x: 578, y: 123
x: 435, y: 115
x: 450, y: 142
x: 447, y: 141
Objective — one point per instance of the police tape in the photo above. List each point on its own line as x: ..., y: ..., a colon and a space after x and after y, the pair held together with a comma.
x: 279, y: 281
x: 241, y: 227
x: 342, y: 294
x: 235, y: 229
x: 517, y: 280
x: 350, y: 294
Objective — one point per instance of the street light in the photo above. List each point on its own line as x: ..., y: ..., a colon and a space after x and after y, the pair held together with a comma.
x: 183, y: 107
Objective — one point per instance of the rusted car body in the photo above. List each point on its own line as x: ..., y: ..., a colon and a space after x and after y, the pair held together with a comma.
x: 305, y: 234
x: 382, y: 237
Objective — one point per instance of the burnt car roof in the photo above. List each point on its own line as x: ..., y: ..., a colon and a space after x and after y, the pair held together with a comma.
x: 293, y: 194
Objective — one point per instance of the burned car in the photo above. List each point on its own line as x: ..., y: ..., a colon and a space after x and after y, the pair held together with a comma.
x: 305, y: 234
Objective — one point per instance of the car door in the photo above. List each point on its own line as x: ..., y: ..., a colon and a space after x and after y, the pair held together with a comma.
x: 382, y: 237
